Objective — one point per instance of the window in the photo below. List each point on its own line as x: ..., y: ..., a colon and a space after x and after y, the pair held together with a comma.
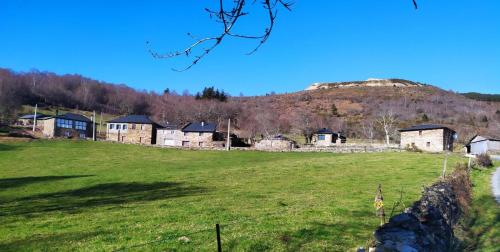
x: 185, y: 133
x: 133, y: 126
x: 142, y: 126
x: 63, y: 123
x: 111, y: 126
x: 200, y: 134
x: 185, y: 143
x: 83, y: 136
x: 172, y: 132
x: 80, y: 125
x: 200, y: 144
x: 124, y: 126
x: 419, y: 132
x: 321, y: 137
x: 428, y: 144
x: 123, y: 138
x: 140, y: 139
x: 118, y: 126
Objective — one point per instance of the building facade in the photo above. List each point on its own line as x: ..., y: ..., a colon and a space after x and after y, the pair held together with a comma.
x: 484, y: 145
x: 326, y: 137
x: 428, y: 137
x: 192, y: 135
x: 132, y: 129
x: 69, y: 125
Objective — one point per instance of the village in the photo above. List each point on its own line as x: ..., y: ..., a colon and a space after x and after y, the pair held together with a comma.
x: 142, y: 130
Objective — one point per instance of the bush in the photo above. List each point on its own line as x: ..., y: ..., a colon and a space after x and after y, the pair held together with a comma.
x: 412, y: 148
x: 484, y: 160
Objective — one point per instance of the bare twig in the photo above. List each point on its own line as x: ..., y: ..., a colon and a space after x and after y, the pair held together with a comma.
x: 228, y: 18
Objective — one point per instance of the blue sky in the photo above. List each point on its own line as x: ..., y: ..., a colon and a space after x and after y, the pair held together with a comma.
x: 454, y: 44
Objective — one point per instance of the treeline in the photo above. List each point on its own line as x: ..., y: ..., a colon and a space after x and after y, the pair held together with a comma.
x: 482, y: 97
x: 70, y: 91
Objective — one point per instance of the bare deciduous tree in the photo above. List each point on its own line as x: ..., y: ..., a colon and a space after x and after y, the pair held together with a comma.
x: 387, y: 121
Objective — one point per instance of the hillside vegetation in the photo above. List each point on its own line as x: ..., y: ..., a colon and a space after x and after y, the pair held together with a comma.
x: 97, y: 196
x: 354, y: 111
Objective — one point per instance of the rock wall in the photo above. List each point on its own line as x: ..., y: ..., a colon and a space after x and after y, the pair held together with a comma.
x: 428, y: 224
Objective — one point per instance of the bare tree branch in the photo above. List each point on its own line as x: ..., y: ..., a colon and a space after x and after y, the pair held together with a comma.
x: 228, y: 18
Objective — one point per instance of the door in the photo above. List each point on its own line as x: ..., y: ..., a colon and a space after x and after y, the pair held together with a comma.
x: 169, y: 142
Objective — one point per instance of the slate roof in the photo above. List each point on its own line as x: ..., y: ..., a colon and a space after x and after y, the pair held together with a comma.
x: 31, y: 116
x: 74, y: 117
x: 169, y: 126
x: 199, y: 127
x: 485, y: 138
x: 142, y: 119
x: 425, y: 127
x: 325, y: 131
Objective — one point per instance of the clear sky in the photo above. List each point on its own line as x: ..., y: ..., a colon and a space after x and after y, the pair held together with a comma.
x: 454, y: 44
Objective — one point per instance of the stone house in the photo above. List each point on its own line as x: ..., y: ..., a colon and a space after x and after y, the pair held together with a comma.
x: 277, y: 143
x: 169, y: 135
x: 483, y: 144
x: 28, y: 120
x: 200, y: 134
x: 133, y: 129
x: 428, y: 137
x: 69, y: 125
x: 326, y: 137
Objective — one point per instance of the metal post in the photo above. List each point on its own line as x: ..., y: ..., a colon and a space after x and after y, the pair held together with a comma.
x: 34, y: 118
x: 445, y: 164
x: 228, y: 144
x: 219, y: 245
x: 100, y: 124
x: 93, y: 127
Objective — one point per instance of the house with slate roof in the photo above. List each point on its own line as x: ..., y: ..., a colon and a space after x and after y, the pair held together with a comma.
x: 169, y: 135
x: 69, y: 125
x: 482, y: 144
x: 327, y: 137
x: 428, y: 137
x: 192, y: 135
x: 28, y: 120
x: 133, y: 129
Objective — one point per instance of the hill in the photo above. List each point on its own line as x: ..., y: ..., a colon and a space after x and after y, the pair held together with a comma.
x: 353, y: 108
x: 367, y: 83
x: 482, y: 97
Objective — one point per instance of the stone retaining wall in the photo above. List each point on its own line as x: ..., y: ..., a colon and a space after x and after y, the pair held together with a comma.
x: 428, y: 224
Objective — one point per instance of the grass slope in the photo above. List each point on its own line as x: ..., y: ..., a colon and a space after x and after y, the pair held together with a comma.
x: 482, y: 225
x: 100, y: 196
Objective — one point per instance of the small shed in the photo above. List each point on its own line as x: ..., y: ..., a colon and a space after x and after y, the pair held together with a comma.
x: 276, y: 143
x: 327, y: 137
x: 481, y: 144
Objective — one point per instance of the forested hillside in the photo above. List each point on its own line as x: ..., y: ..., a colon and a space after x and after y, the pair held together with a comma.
x: 358, y: 112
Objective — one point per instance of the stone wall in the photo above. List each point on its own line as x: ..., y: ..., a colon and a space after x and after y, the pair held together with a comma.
x: 426, y: 140
x: 428, y: 224
x: 274, y: 145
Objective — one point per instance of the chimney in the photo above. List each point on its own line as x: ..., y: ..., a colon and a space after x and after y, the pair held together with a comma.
x: 202, y: 123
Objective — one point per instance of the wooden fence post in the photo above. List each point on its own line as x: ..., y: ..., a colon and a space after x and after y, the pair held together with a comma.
x: 219, y: 245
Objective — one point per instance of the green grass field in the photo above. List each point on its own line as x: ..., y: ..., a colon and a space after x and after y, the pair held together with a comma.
x: 66, y: 195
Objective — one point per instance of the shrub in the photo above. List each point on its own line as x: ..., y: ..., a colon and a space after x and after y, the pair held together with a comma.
x: 462, y: 186
x: 484, y: 160
x: 412, y: 148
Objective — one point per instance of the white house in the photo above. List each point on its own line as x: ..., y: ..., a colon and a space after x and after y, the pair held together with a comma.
x: 483, y: 144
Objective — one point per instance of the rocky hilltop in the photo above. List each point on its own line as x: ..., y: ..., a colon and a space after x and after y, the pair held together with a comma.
x: 367, y: 83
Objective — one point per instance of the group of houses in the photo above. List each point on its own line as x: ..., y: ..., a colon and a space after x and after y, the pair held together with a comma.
x: 140, y: 129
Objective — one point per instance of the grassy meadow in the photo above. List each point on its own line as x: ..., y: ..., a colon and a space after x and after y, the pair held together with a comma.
x: 68, y: 195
